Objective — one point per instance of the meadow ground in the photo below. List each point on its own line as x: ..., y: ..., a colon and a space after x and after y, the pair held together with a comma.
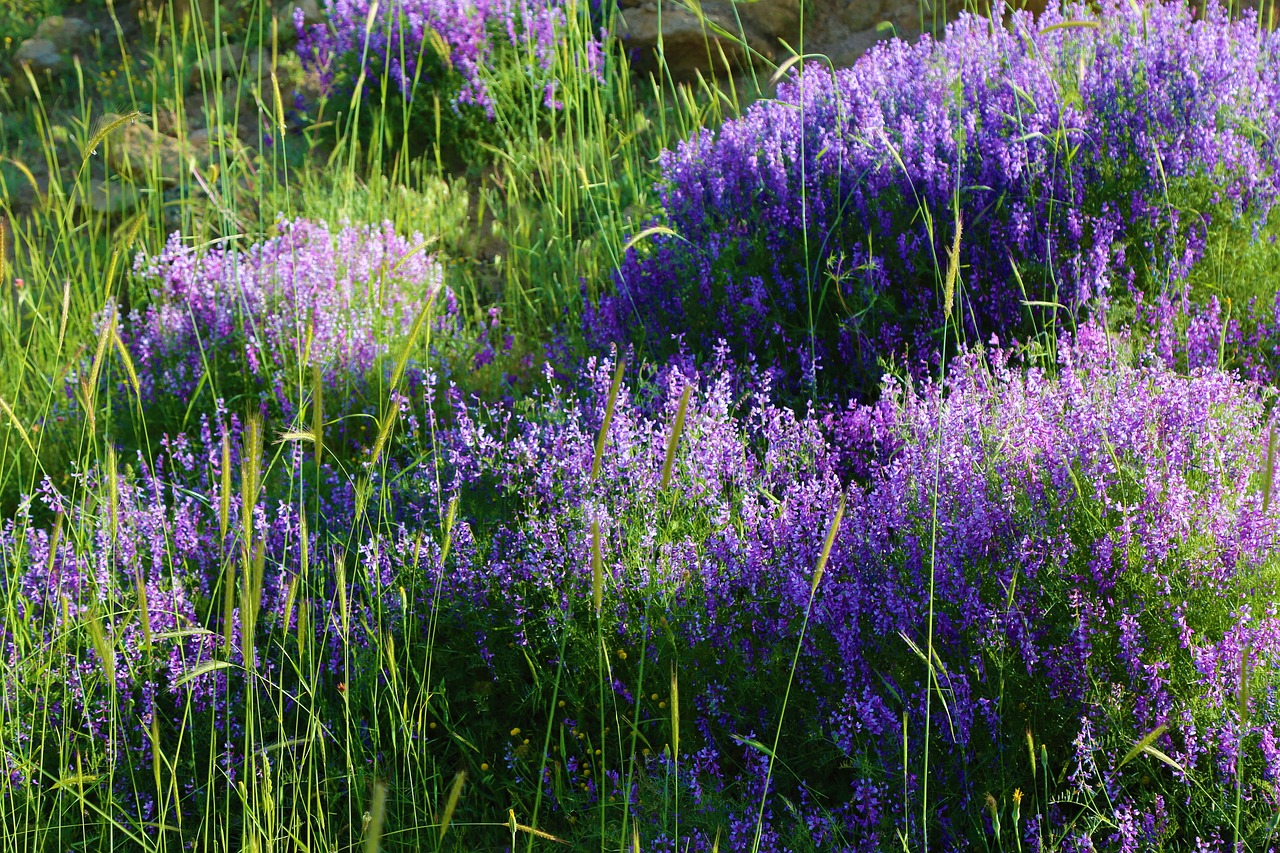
x: 428, y: 425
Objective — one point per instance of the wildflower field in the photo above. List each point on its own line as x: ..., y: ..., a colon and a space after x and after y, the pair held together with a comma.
x: 438, y: 425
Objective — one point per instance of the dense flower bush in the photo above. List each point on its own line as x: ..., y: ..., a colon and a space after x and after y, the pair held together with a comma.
x: 1090, y: 543
x: 156, y: 623
x: 256, y: 321
x: 1063, y: 153
x: 410, y: 41
x: 1217, y: 334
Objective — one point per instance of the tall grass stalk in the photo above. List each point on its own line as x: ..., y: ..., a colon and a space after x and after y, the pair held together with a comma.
x: 821, y: 567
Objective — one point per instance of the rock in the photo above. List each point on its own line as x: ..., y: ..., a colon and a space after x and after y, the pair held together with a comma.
x: 258, y: 65
x: 39, y: 55
x: 844, y: 50
x: 139, y: 151
x: 840, y: 29
x: 689, y: 43
x: 208, y: 141
x: 206, y: 137
x: 66, y: 33
x: 112, y: 198
x: 771, y: 18
x: 164, y: 120
x: 853, y: 15
x: 26, y: 194
x: 172, y: 208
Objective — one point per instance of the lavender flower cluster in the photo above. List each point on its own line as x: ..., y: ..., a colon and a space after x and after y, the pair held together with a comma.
x: 155, y: 602
x: 258, y: 320
x: 1076, y: 536
x: 1056, y: 154
x: 1087, y: 544
x: 394, y: 38
x: 1217, y: 334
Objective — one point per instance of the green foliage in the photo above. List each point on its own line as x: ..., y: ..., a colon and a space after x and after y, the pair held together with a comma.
x: 18, y: 20
x: 427, y: 124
